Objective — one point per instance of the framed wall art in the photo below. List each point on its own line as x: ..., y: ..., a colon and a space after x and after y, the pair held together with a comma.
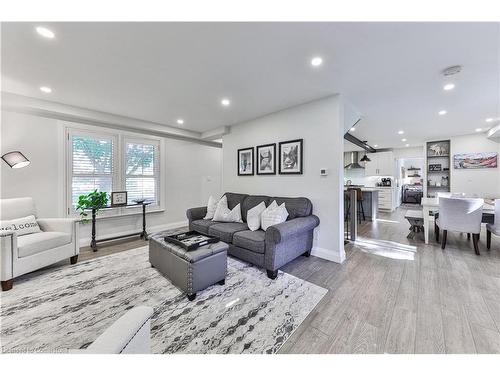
x: 266, y: 159
x: 245, y: 161
x: 291, y: 157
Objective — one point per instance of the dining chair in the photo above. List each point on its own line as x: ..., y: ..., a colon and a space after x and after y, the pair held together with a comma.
x: 460, y: 215
x: 495, y: 227
x: 445, y: 194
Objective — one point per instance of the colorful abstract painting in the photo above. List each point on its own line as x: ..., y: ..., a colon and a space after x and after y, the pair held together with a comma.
x: 476, y: 160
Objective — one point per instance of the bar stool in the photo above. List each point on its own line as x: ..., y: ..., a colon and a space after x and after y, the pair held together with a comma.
x: 361, y: 210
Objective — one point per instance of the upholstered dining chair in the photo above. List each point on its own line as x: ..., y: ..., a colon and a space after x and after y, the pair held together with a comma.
x: 495, y: 227
x: 460, y: 215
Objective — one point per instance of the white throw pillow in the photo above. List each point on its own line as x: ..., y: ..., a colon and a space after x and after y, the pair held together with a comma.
x: 211, y: 207
x: 21, y: 226
x: 225, y: 215
x: 253, y: 216
x: 274, y: 215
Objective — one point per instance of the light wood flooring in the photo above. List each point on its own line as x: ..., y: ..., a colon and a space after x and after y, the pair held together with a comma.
x: 394, y: 295
x: 387, y: 299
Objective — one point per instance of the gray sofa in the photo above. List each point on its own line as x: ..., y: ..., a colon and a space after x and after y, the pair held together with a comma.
x: 271, y: 249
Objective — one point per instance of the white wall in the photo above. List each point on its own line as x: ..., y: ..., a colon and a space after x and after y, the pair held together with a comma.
x: 408, y: 152
x: 193, y: 173
x: 483, y: 182
x: 320, y: 124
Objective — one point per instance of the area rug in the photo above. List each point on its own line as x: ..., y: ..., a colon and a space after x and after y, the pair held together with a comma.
x: 67, y: 307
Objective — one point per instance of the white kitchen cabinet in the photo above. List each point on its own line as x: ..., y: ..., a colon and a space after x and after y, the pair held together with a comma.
x: 387, y: 198
x: 381, y: 164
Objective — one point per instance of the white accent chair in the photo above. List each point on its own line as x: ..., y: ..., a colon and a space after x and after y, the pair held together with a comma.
x: 493, y: 228
x: 58, y: 240
x: 131, y: 334
x: 460, y: 215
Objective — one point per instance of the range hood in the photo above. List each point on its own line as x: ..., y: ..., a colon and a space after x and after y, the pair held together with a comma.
x: 352, y: 158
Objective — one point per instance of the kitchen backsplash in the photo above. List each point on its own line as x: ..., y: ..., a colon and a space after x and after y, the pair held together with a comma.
x: 357, y: 177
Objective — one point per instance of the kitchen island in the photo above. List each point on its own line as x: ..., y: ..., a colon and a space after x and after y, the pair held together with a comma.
x: 370, y: 201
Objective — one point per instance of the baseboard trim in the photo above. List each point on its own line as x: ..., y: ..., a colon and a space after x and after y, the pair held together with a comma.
x: 157, y: 228
x: 328, y: 254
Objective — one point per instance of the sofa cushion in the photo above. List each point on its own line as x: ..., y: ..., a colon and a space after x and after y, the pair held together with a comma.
x: 234, y: 198
x: 225, y: 231
x: 202, y: 225
x: 296, y: 207
x: 250, y: 202
x: 251, y: 240
x: 35, y: 243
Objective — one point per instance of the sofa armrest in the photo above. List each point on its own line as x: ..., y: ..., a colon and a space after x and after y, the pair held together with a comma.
x: 8, y: 253
x: 129, y: 334
x: 280, y: 232
x: 196, y: 213
x: 66, y: 225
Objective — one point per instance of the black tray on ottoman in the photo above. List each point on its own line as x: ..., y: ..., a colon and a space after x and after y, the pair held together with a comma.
x: 191, y: 240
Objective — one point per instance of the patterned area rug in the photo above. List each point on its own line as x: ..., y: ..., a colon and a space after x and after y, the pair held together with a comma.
x: 68, y: 307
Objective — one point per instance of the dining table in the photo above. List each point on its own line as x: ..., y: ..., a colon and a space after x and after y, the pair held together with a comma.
x: 432, y: 205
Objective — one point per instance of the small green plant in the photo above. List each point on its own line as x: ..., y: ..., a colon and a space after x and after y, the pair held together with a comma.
x: 88, y: 201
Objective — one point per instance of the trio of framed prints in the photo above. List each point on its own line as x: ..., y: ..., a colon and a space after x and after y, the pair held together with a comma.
x: 290, y: 159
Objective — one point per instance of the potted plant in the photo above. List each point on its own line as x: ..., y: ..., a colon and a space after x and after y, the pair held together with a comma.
x: 89, y: 201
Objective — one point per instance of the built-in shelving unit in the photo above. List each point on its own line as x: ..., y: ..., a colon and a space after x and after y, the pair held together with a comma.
x: 437, y: 167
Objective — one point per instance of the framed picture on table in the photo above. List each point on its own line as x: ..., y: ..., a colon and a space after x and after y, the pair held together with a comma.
x: 118, y: 198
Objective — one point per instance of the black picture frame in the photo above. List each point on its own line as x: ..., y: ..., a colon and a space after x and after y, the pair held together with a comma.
x: 258, y: 161
x: 114, y: 196
x: 241, y: 151
x: 300, y: 157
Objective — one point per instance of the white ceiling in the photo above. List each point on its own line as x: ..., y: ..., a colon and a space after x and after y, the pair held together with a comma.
x: 162, y: 71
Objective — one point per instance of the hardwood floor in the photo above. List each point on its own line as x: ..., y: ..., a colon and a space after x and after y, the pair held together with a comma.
x: 394, y: 295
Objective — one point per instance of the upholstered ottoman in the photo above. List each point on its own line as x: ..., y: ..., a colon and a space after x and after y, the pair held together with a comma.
x: 190, y: 271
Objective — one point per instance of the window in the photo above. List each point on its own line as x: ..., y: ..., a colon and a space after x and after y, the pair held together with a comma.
x: 92, y: 165
x: 141, y: 172
x: 112, y: 160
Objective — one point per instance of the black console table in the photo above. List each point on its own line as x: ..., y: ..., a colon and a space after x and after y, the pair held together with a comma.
x: 143, y: 234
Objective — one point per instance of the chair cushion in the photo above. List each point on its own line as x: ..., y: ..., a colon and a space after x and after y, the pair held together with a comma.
x: 202, y: 225
x: 225, y: 231
x: 251, y: 240
x: 31, y: 244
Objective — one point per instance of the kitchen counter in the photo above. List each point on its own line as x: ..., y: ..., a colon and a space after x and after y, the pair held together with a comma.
x: 370, y: 201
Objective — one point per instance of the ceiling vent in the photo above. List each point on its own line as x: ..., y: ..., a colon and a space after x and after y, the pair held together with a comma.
x: 452, y: 70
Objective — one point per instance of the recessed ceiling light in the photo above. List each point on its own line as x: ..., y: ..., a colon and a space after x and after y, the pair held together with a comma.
x: 316, y: 61
x: 353, y: 129
x: 46, y: 89
x: 43, y: 31
x: 479, y: 129
x: 449, y: 86
x: 225, y: 102
x: 401, y: 132
x: 442, y: 112
x: 407, y: 145
x: 489, y: 119
x: 403, y: 140
x: 180, y: 121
